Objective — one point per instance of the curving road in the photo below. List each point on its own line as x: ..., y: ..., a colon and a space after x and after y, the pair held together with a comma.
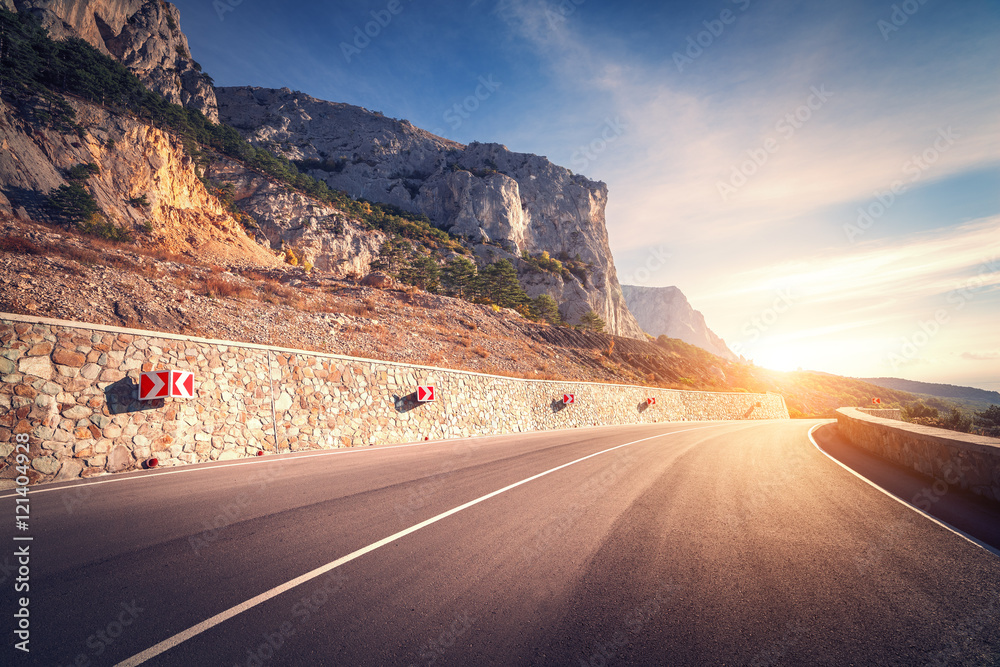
x: 716, y: 543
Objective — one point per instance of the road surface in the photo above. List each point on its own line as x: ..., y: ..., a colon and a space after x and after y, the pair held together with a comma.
x: 713, y: 543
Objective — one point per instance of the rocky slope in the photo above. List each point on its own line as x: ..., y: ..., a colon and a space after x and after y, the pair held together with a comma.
x: 666, y: 311
x: 508, y: 202
x: 144, y: 35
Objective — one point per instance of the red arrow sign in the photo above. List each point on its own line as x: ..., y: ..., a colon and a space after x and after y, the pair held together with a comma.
x: 154, y: 385
x: 161, y: 384
x: 182, y: 384
x: 651, y: 401
x: 425, y: 394
x: 569, y: 399
x: 877, y: 401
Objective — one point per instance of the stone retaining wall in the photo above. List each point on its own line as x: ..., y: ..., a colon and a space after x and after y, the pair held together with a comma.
x: 73, y: 388
x: 884, y: 413
x: 971, y: 462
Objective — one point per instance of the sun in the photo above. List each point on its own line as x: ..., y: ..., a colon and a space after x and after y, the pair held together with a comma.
x: 778, y: 359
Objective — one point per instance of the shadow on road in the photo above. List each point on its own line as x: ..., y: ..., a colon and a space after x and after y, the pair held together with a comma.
x: 970, y: 513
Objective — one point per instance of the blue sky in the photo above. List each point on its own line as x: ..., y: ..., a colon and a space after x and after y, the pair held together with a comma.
x: 824, y: 176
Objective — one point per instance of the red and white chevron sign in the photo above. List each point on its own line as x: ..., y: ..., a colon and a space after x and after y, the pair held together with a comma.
x: 876, y: 401
x: 569, y: 399
x: 651, y: 400
x: 164, y: 384
x: 182, y: 384
x: 425, y: 394
x: 154, y: 385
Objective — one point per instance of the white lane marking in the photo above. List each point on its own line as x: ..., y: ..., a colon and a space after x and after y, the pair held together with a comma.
x: 295, y: 456
x: 943, y: 524
x: 207, y: 624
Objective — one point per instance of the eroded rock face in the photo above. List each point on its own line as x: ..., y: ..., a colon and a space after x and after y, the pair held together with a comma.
x: 520, y: 201
x: 326, y: 237
x: 666, y: 311
x: 144, y: 35
x: 135, y: 162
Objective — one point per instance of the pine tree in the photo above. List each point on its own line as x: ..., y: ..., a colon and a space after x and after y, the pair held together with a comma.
x: 422, y: 272
x: 547, y: 309
x: 459, y: 278
x: 393, y: 257
x: 592, y: 321
x: 499, y: 285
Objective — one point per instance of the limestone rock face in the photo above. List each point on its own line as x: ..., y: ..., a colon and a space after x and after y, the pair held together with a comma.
x: 321, y: 234
x: 134, y: 161
x: 666, y: 311
x: 518, y: 202
x: 144, y: 35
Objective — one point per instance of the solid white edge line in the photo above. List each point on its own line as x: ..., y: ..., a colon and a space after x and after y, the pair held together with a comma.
x: 272, y: 458
x: 943, y: 524
x: 195, y: 630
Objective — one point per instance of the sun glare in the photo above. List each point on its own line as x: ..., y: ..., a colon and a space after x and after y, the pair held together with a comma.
x: 778, y: 359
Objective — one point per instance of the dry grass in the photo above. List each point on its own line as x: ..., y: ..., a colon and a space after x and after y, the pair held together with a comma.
x: 482, y: 352
x: 185, y: 279
x: 355, y: 309
x: 272, y: 291
x: 226, y: 289
x: 164, y: 255
x: 19, y: 245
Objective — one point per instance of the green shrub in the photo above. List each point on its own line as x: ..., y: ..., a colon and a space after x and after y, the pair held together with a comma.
x: 81, y: 172
x: 99, y: 226
x: 592, y: 321
x: 73, y: 203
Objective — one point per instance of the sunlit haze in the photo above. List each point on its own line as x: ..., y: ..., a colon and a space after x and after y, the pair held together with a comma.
x: 820, y: 179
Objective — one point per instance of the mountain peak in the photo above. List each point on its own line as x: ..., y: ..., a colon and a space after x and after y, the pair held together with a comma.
x: 666, y: 311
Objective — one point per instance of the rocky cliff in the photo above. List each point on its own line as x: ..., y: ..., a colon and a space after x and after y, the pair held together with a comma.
x: 144, y: 35
x: 322, y: 234
x: 509, y: 203
x: 666, y: 311
x: 145, y: 182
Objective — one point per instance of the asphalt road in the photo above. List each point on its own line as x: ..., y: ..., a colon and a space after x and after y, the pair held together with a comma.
x: 717, y: 543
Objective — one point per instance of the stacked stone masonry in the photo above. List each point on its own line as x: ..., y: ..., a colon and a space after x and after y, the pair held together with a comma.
x: 884, y: 413
x: 74, y: 389
x: 970, y: 462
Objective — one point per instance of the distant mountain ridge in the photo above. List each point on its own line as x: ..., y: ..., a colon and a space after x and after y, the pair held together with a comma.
x: 666, y: 311
x: 940, y: 390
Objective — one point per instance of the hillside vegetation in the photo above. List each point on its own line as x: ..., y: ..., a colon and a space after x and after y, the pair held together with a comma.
x: 969, y: 398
